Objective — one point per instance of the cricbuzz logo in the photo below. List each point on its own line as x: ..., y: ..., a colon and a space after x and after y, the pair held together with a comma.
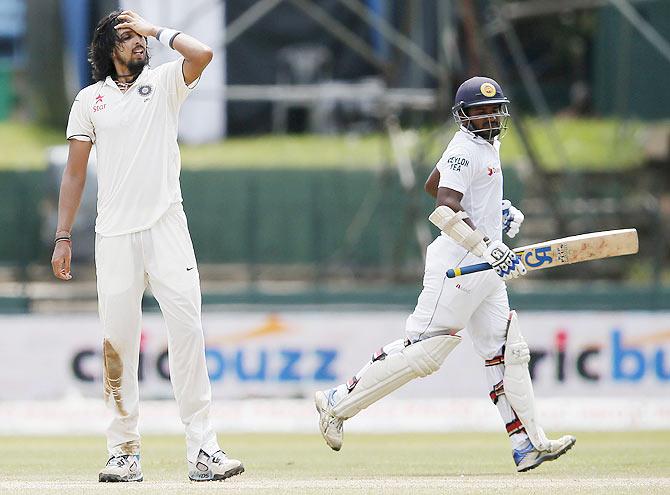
x: 619, y: 360
x: 250, y: 356
x: 234, y: 358
x: 277, y: 365
x: 242, y: 364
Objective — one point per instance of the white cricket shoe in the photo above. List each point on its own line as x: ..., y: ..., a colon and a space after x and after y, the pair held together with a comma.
x: 122, y: 468
x: 330, y: 425
x: 215, y: 467
x: 528, y: 457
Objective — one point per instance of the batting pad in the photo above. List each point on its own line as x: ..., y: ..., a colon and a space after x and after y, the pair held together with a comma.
x: 388, y: 373
x: 517, y: 384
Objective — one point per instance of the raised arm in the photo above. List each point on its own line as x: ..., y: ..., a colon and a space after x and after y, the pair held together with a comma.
x: 71, y: 189
x: 196, y: 54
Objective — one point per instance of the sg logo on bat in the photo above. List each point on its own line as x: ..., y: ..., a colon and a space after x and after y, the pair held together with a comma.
x: 537, y: 257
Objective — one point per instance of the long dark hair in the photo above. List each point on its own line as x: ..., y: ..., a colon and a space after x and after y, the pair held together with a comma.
x: 102, y: 47
x: 105, y: 39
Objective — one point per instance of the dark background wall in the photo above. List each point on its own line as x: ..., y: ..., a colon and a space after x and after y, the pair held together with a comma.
x: 631, y: 78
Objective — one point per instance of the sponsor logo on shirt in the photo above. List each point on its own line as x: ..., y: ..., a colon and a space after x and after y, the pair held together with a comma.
x: 456, y: 162
x: 99, y: 104
x: 492, y: 170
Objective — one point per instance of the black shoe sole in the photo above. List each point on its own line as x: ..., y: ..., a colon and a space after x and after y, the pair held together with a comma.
x: 228, y: 474
x: 114, y: 478
x: 549, y: 457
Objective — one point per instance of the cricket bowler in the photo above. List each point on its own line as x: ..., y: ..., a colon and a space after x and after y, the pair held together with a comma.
x: 130, y: 114
x: 472, y: 215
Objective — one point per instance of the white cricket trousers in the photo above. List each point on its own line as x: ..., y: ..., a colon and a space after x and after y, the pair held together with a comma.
x: 161, y: 257
x: 477, y: 301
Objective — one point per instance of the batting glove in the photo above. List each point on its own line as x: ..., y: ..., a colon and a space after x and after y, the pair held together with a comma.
x: 503, y: 260
x: 512, y: 218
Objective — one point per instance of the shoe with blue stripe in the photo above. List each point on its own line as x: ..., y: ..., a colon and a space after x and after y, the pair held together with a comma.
x: 528, y: 457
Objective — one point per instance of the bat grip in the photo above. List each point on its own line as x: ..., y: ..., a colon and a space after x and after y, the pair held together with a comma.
x: 464, y: 270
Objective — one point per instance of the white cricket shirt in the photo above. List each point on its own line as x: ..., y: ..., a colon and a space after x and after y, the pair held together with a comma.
x: 135, y: 137
x: 471, y: 165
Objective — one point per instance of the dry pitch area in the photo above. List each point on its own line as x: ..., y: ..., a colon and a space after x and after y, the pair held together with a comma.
x: 603, y: 463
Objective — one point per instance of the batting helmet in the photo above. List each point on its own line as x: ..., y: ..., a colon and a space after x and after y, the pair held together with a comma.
x: 478, y: 91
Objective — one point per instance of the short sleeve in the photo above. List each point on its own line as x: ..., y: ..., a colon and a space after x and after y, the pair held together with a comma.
x: 79, y: 124
x: 456, y: 170
x: 172, y: 77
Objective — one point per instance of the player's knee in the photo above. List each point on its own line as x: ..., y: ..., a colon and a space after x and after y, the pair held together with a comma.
x: 517, y: 353
x: 426, y: 356
x: 187, y: 334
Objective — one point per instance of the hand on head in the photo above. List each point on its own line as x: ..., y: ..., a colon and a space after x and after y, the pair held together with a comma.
x: 132, y: 20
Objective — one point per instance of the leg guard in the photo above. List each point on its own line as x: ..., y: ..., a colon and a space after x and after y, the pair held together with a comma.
x: 495, y: 370
x: 392, y: 367
x: 517, y: 384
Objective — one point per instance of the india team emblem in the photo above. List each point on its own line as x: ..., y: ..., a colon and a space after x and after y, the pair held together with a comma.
x: 488, y: 89
x: 145, y: 90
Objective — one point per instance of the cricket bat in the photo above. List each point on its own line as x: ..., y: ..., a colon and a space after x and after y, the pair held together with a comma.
x: 559, y: 252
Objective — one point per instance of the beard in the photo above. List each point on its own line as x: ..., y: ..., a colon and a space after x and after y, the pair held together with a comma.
x: 487, y: 133
x: 136, y: 66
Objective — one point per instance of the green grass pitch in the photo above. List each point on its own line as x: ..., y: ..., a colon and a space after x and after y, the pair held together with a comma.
x: 604, y: 463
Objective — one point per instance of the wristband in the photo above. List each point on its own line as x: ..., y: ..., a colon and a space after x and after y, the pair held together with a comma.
x: 166, y: 36
x: 62, y: 237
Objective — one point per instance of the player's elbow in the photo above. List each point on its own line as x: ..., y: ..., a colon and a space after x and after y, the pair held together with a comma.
x: 450, y: 201
x: 201, y: 58
x: 432, y: 183
x: 206, y: 56
x: 430, y: 188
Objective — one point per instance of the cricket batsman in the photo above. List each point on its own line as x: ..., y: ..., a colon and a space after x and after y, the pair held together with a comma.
x: 472, y: 215
x: 130, y: 113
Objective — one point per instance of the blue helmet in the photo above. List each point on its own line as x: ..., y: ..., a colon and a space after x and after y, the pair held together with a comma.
x: 478, y: 91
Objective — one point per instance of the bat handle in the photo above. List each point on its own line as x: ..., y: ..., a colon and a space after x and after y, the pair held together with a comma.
x: 464, y: 270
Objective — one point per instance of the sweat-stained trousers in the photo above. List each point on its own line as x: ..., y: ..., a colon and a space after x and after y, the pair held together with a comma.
x: 161, y: 257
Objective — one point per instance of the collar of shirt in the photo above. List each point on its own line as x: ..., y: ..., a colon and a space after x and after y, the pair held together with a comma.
x: 110, y: 82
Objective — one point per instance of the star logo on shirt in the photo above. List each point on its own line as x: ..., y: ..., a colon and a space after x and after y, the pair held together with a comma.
x: 99, y: 104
